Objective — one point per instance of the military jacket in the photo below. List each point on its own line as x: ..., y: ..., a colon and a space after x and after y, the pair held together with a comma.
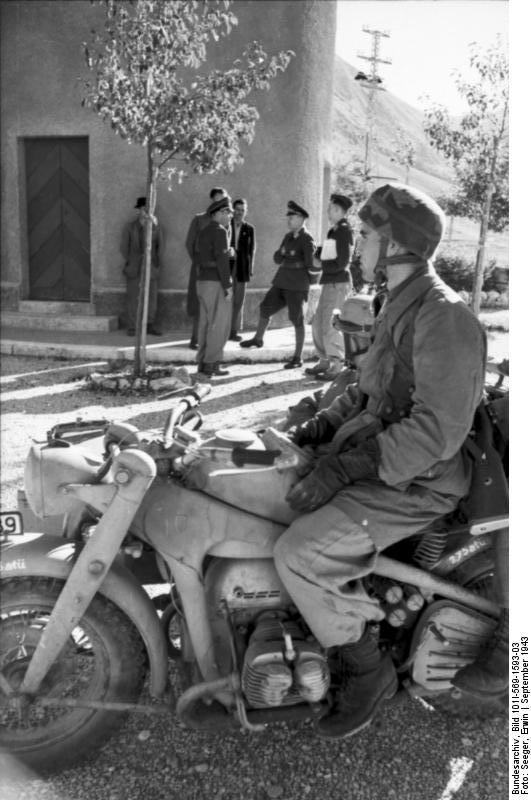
x: 213, y: 254
x: 419, y: 385
x: 295, y: 256
x: 336, y: 270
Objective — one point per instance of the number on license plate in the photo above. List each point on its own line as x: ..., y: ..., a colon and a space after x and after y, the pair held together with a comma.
x: 10, y: 524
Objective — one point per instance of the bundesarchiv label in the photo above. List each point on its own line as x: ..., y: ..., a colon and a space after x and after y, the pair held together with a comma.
x: 519, y: 710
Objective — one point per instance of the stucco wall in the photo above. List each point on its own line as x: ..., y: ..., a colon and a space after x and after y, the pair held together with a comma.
x: 41, y: 90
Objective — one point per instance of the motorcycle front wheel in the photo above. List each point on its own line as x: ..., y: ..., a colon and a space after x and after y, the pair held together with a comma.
x: 103, y: 660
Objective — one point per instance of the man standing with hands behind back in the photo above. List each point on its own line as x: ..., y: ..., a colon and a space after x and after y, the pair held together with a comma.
x: 132, y: 248
x: 243, y: 242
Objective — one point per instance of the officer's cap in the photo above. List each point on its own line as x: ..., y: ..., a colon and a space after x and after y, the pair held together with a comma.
x: 219, y: 205
x: 341, y: 200
x: 295, y: 208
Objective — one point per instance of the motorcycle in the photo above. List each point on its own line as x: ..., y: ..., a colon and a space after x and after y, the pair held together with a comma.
x: 163, y: 549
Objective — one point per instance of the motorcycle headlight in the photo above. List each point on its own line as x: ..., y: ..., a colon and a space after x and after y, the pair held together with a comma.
x: 47, y: 471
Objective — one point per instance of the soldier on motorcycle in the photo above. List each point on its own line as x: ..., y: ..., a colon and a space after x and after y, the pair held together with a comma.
x: 393, y: 445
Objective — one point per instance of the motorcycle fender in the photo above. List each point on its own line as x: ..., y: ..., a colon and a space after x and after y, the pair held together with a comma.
x: 43, y: 555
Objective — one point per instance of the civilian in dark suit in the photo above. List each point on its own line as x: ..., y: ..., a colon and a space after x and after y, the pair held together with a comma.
x: 243, y: 241
x: 199, y: 222
x: 132, y: 249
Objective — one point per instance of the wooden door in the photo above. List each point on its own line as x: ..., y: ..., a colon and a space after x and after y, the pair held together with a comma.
x: 58, y: 218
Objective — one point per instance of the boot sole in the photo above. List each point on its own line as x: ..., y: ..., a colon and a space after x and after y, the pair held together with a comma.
x: 477, y: 693
x: 387, y: 694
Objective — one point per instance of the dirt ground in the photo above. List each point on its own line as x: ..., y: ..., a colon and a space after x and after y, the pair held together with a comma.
x: 412, y: 753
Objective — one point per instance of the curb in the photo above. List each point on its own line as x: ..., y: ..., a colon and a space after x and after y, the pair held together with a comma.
x: 154, y: 353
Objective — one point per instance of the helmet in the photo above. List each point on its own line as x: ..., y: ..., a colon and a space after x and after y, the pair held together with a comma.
x: 406, y: 216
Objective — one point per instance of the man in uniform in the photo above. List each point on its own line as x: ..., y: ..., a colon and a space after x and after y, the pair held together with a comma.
x: 214, y: 288
x: 199, y: 222
x: 243, y: 242
x: 395, y: 459
x: 132, y: 249
x: 336, y: 283
x: 291, y: 283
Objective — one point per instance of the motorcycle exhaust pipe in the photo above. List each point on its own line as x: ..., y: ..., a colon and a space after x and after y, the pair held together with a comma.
x: 398, y: 571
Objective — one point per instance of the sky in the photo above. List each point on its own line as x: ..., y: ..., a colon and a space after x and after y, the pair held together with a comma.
x: 428, y: 39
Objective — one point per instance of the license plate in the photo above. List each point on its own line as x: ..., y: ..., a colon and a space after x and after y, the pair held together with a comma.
x: 10, y: 524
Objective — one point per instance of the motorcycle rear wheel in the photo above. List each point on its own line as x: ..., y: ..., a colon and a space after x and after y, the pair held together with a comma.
x: 477, y: 575
x: 103, y: 660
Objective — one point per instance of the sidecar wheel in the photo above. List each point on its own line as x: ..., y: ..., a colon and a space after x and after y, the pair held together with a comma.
x: 103, y: 660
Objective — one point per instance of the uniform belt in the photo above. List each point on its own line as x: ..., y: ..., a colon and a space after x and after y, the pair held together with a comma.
x: 293, y: 264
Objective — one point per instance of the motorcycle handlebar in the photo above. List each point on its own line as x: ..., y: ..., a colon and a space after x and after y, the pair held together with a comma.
x: 190, y: 400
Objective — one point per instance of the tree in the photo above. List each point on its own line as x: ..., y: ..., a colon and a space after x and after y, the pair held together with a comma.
x: 147, y: 84
x: 404, y: 151
x: 349, y: 178
x: 478, y: 147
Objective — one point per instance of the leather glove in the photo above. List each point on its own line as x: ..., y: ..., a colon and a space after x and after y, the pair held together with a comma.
x: 316, y: 430
x: 332, y: 473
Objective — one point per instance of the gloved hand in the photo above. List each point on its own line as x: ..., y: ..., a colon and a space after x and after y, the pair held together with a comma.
x: 316, y: 430
x: 332, y: 473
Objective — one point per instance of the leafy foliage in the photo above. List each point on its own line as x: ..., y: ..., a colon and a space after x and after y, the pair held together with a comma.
x: 480, y: 136
x: 404, y: 151
x: 349, y: 179
x: 458, y: 272
x: 478, y: 146
x: 146, y: 82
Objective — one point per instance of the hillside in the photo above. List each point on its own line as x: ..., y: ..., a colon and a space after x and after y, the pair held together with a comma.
x: 431, y: 172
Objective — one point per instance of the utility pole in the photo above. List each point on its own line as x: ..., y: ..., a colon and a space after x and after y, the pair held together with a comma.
x: 372, y: 84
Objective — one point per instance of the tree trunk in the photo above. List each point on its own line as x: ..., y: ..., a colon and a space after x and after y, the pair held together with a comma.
x: 143, y: 294
x: 480, y: 255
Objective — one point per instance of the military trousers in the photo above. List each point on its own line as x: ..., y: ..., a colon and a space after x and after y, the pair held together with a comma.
x: 328, y: 342
x: 215, y: 310
x: 237, y: 305
x: 323, y: 555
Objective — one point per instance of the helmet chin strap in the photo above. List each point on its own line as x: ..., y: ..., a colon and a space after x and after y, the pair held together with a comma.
x: 385, y: 261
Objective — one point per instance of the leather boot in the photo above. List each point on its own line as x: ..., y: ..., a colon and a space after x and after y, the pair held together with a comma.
x: 321, y: 366
x: 488, y: 675
x: 206, y: 370
x: 368, y: 679
x: 218, y: 369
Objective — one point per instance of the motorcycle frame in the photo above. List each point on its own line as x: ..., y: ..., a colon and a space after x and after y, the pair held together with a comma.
x: 235, y: 534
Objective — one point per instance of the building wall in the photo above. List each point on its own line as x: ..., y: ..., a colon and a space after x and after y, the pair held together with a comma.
x: 42, y: 75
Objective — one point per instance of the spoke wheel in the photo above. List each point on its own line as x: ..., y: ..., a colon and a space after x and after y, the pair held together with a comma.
x: 103, y: 660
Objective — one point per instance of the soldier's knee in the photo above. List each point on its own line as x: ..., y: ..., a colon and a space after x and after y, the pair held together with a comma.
x: 288, y: 551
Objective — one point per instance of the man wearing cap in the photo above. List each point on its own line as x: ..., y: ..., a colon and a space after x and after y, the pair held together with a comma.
x: 199, y: 222
x: 132, y: 249
x: 394, y: 458
x: 291, y: 283
x: 336, y: 282
x: 214, y: 288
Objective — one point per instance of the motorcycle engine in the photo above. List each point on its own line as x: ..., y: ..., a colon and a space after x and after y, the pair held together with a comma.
x: 281, y: 667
